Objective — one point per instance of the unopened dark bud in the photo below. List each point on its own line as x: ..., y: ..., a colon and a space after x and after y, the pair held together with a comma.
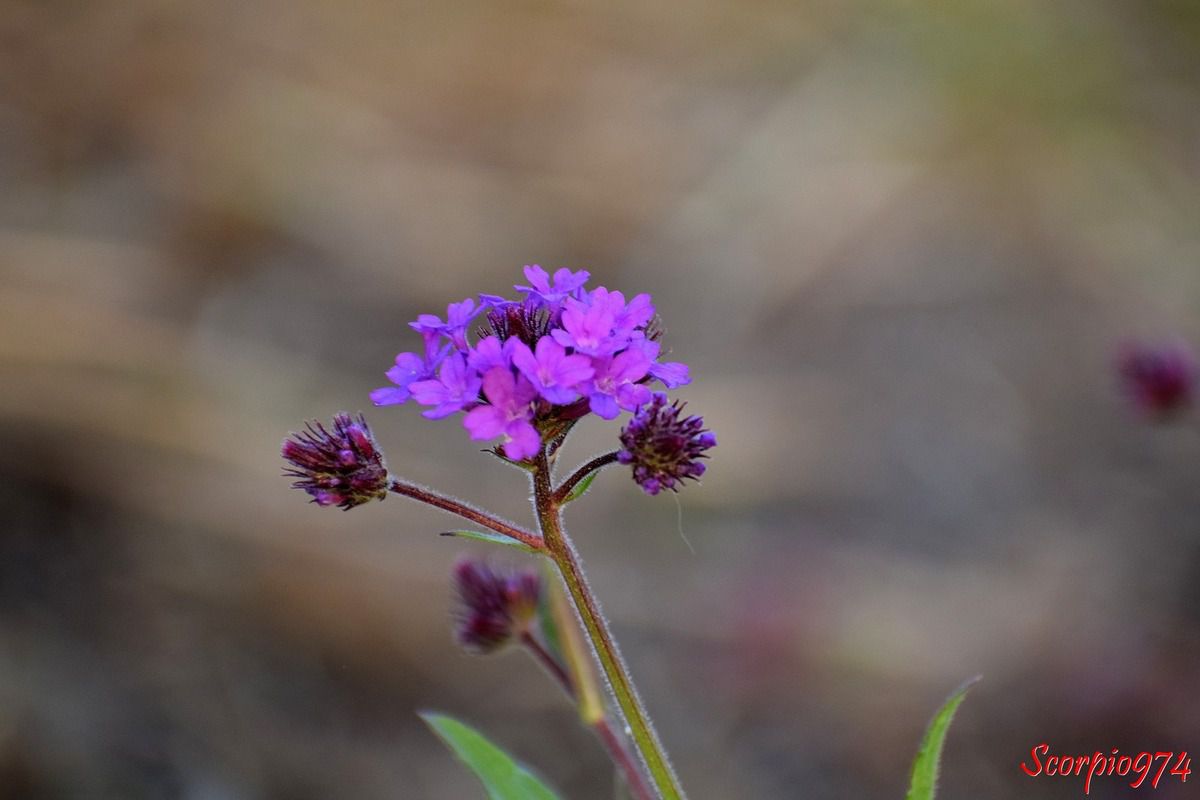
x: 494, y: 606
x: 663, y: 448
x: 341, y: 466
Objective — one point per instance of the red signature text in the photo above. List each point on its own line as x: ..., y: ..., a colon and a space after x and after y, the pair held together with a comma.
x: 1103, y: 765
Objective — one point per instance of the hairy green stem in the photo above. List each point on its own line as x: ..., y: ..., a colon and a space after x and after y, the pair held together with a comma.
x: 559, y: 548
x: 621, y: 757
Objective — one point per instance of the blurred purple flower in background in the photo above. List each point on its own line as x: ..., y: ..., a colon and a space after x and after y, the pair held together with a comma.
x: 494, y: 607
x: 1159, y: 378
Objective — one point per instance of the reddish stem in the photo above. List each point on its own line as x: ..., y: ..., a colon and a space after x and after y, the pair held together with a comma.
x: 599, y: 462
x: 530, y: 540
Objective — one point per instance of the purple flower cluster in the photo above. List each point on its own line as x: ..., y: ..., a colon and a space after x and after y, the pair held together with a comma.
x: 339, y: 467
x: 493, y: 606
x: 557, y: 354
x: 662, y: 448
x: 1159, y: 379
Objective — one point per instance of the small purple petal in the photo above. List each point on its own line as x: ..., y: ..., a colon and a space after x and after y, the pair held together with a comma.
x: 523, y: 440
x: 494, y: 301
x: 673, y: 374
x: 499, y: 387
x: 631, y: 396
x: 390, y: 396
x: 428, y: 323
x: 604, y: 405
x: 629, y: 365
x: 636, y: 314
x: 565, y: 284
x: 484, y: 422
x: 456, y: 387
x: 490, y: 353
x: 552, y: 372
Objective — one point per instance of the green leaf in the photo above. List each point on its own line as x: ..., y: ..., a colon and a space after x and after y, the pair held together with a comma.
x: 493, y: 538
x: 503, y: 778
x: 923, y: 784
x: 581, y: 487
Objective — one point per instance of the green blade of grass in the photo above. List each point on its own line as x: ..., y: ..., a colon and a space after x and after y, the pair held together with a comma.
x: 923, y: 783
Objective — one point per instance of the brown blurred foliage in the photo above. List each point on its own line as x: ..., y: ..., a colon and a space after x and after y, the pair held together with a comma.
x: 897, y: 240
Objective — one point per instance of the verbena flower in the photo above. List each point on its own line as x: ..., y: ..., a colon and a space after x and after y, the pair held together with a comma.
x: 409, y: 369
x: 1160, y: 378
x: 456, y: 387
x: 565, y: 283
x: 536, y: 363
x: 662, y: 447
x: 458, y: 317
x: 494, y: 607
x: 616, y: 383
x: 339, y: 467
x: 552, y: 372
x: 507, y: 413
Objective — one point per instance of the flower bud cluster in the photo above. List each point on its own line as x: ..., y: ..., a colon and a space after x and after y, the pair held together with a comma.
x: 339, y: 467
x: 663, y: 448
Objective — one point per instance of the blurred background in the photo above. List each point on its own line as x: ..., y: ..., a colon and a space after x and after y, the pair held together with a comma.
x: 898, y: 243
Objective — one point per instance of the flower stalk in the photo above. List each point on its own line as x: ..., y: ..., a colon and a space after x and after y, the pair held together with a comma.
x: 562, y: 552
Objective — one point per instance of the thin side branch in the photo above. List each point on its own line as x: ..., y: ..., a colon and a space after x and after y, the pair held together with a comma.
x: 599, y: 462
x: 531, y: 540
x: 617, y: 751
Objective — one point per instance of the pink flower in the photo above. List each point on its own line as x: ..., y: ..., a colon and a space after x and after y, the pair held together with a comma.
x: 508, y: 414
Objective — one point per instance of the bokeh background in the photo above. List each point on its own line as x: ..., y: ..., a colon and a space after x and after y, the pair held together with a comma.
x: 898, y: 242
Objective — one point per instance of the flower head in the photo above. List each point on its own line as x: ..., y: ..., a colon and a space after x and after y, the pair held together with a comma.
x: 535, y: 365
x: 1160, y: 379
x: 494, y: 607
x: 339, y: 467
x: 663, y: 448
